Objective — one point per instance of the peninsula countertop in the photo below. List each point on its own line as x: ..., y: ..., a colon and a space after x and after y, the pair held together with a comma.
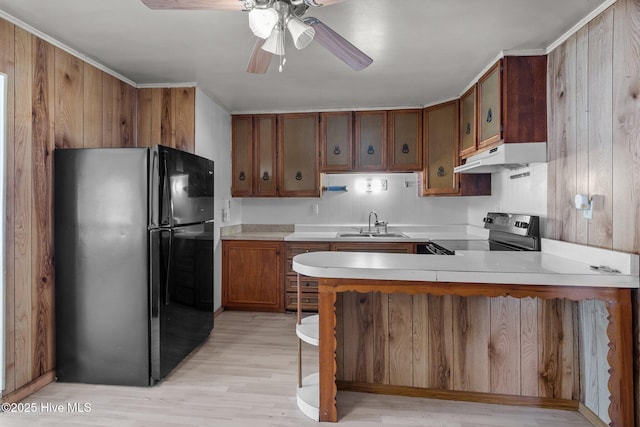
x: 559, y: 264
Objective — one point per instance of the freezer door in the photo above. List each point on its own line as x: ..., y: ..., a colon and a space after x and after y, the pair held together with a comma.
x: 182, y: 188
x: 181, y: 294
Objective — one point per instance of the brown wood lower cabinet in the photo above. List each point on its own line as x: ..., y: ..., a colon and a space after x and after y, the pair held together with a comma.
x: 308, y: 285
x: 252, y: 275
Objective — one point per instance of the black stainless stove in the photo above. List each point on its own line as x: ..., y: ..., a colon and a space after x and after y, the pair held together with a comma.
x: 507, y: 232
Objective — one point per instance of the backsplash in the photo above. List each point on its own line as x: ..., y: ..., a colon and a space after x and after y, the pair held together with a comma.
x: 526, y: 195
x: 400, y: 204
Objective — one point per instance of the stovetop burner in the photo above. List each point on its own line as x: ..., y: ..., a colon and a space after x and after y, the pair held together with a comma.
x: 507, y: 232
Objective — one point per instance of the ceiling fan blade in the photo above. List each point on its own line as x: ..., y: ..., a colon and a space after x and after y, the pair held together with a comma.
x: 338, y: 45
x: 260, y: 59
x: 195, y: 4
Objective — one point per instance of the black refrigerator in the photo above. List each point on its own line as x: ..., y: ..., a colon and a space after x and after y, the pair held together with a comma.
x: 133, y: 262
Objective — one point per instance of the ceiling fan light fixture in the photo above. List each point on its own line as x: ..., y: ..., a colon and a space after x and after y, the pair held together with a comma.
x: 275, y: 42
x: 301, y: 33
x: 263, y: 21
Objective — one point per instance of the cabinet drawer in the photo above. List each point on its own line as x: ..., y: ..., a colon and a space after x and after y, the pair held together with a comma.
x: 293, y: 249
x: 306, y: 283
x: 309, y: 301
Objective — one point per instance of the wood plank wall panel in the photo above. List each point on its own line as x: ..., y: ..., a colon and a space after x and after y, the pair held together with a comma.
x: 529, y: 346
x: 477, y: 344
x: 582, y: 129
x: 108, y: 82
x: 601, y: 129
x: 184, y: 117
x: 92, y: 110
x: 551, y: 228
x: 382, y: 315
x: 166, y: 116
x: 556, y: 343
x: 53, y: 98
x: 607, y: 78
x: 144, y: 117
x: 504, y: 347
x: 626, y: 126
x: 23, y: 194
x: 7, y: 66
x: 471, y: 336
x: 399, y: 340
x: 43, y: 143
x: 69, y: 99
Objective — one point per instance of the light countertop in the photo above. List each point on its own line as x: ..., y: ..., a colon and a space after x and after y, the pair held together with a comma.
x: 329, y: 233
x: 526, y: 268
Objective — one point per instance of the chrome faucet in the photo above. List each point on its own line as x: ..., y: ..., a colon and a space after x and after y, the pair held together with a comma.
x: 376, y: 214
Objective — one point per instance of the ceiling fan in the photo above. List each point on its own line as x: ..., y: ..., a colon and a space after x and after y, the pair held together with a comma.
x: 268, y: 20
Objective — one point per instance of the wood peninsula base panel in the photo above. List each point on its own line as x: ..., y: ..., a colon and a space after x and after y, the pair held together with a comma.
x: 502, y: 345
x: 515, y: 342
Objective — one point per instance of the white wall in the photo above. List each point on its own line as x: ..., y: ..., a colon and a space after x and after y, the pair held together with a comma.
x: 397, y: 205
x: 521, y: 195
x: 213, y: 141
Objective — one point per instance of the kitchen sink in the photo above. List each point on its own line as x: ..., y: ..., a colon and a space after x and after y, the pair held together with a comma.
x: 366, y: 234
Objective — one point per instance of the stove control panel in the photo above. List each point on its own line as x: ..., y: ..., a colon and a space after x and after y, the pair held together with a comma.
x: 519, y: 224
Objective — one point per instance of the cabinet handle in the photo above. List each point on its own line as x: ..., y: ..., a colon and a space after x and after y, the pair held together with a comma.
x: 336, y: 150
x: 299, y: 176
x: 440, y: 171
x: 307, y: 284
x: 405, y: 148
x: 242, y: 177
x: 371, y: 150
x: 468, y: 129
x: 306, y: 300
x: 489, y: 116
x: 265, y: 176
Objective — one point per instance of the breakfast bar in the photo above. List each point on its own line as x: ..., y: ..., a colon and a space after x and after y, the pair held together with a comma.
x: 548, y: 275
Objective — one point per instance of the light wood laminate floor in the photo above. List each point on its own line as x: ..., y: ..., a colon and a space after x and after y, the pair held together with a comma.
x: 245, y: 375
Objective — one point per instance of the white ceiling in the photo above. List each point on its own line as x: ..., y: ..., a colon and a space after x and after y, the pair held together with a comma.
x: 424, y: 51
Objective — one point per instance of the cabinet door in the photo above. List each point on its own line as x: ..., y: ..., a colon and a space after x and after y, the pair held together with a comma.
x: 242, y: 156
x: 336, y: 140
x: 264, y: 132
x: 489, y: 106
x: 252, y: 275
x: 371, y: 140
x: 468, y: 119
x: 405, y: 140
x: 441, y: 148
x: 298, y: 155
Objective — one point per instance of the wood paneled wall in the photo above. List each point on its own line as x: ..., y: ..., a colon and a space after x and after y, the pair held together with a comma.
x: 503, y: 345
x: 54, y: 100
x: 594, y: 148
x: 167, y: 116
x: 594, y: 131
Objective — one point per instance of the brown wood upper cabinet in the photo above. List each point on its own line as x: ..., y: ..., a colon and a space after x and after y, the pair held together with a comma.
x: 298, y: 139
x: 336, y: 140
x: 405, y: 140
x: 467, y: 129
x: 371, y: 140
x: 512, y: 102
x: 440, y: 148
x: 441, y: 139
x: 254, y: 155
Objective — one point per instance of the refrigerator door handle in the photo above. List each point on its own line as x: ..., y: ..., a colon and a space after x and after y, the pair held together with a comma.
x: 155, y: 276
x: 154, y: 214
x: 167, y: 187
x: 167, y: 294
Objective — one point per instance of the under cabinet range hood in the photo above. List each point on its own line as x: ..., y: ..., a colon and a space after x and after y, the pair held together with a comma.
x: 505, y: 156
